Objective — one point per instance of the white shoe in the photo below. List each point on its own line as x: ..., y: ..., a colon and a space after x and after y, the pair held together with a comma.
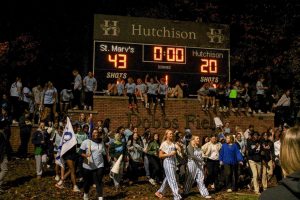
x: 60, y: 184
x: 249, y: 110
x: 76, y: 189
x: 85, y: 196
x: 212, y: 186
x: 260, y: 112
x: 152, y: 181
x: 57, y: 178
x: 229, y: 190
x: 90, y: 107
x: 207, y: 197
x: 94, y: 185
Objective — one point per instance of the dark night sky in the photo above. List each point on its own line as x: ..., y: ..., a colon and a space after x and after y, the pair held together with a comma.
x: 64, y: 28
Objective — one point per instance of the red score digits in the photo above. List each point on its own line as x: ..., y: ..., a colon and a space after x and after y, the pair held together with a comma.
x: 209, y: 66
x: 119, y: 60
x: 171, y: 54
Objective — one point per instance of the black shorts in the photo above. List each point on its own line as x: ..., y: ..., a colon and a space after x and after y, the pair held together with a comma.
x: 70, y: 155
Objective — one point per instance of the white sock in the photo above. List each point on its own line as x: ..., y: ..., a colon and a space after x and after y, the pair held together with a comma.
x: 85, y: 195
x: 100, y: 198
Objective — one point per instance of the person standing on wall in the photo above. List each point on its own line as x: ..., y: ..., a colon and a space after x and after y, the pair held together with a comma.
x: 16, y: 95
x: 90, y: 86
x: 77, y: 89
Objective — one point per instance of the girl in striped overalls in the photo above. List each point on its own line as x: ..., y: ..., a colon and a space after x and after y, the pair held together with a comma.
x: 167, y: 151
x: 195, y: 168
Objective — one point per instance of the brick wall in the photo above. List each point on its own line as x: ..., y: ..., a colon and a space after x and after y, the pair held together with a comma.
x: 180, y: 114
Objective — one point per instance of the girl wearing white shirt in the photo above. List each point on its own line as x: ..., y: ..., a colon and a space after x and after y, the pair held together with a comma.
x: 92, y: 150
x: 167, y: 152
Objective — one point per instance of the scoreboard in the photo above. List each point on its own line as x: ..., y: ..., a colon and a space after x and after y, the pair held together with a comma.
x: 127, y: 46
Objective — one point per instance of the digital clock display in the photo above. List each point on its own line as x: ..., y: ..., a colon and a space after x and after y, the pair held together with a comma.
x: 127, y: 46
x: 164, y: 54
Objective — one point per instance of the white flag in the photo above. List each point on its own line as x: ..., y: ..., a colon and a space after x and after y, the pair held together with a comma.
x: 68, y: 140
x: 218, y: 122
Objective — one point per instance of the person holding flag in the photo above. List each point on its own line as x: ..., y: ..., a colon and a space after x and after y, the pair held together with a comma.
x: 92, y: 150
x: 67, y: 154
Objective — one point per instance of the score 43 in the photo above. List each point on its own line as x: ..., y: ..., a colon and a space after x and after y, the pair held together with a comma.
x: 119, y: 60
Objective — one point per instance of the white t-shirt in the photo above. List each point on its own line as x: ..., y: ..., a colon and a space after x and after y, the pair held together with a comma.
x: 90, y: 84
x: 14, y: 89
x: 214, y: 152
x: 97, y: 150
x: 277, y: 145
x: 37, y: 95
x: 26, y: 94
x: 167, y: 148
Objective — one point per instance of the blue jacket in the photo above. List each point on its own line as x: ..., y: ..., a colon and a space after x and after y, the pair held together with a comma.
x: 230, y: 154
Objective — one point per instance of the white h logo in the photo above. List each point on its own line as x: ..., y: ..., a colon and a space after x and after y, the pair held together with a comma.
x: 110, y: 28
x: 215, y: 35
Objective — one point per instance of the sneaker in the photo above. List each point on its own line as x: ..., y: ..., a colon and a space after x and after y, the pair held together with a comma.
x: 90, y: 108
x: 203, y: 107
x: 260, y: 112
x: 212, y: 186
x: 249, y: 110
x: 233, y: 109
x: 152, y: 181
x: 207, y: 197
x: 229, y: 190
x: 220, y: 109
x: 60, y: 184
x: 94, y: 185
x: 75, y: 108
x: 257, y: 193
x: 85, y: 196
x: 85, y: 108
x: 57, y: 178
x: 76, y: 189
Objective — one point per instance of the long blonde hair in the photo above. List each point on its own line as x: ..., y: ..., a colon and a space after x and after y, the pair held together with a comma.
x: 290, y: 151
x: 166, y: 134
x: 192, y: 142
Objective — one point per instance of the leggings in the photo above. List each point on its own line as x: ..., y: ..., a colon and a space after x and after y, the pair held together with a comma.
x: 132, y: 97
x: 93, y: 176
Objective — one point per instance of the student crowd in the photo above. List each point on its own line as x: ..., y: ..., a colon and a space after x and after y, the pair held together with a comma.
x: 230, y: 159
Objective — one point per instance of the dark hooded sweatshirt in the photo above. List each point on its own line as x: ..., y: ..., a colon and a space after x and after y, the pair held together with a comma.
x: 288, y: 189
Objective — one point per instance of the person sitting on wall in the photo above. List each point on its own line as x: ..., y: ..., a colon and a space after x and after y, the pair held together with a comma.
x: 181, y: 90
x: 203, y: 97
x: 116, y: 89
